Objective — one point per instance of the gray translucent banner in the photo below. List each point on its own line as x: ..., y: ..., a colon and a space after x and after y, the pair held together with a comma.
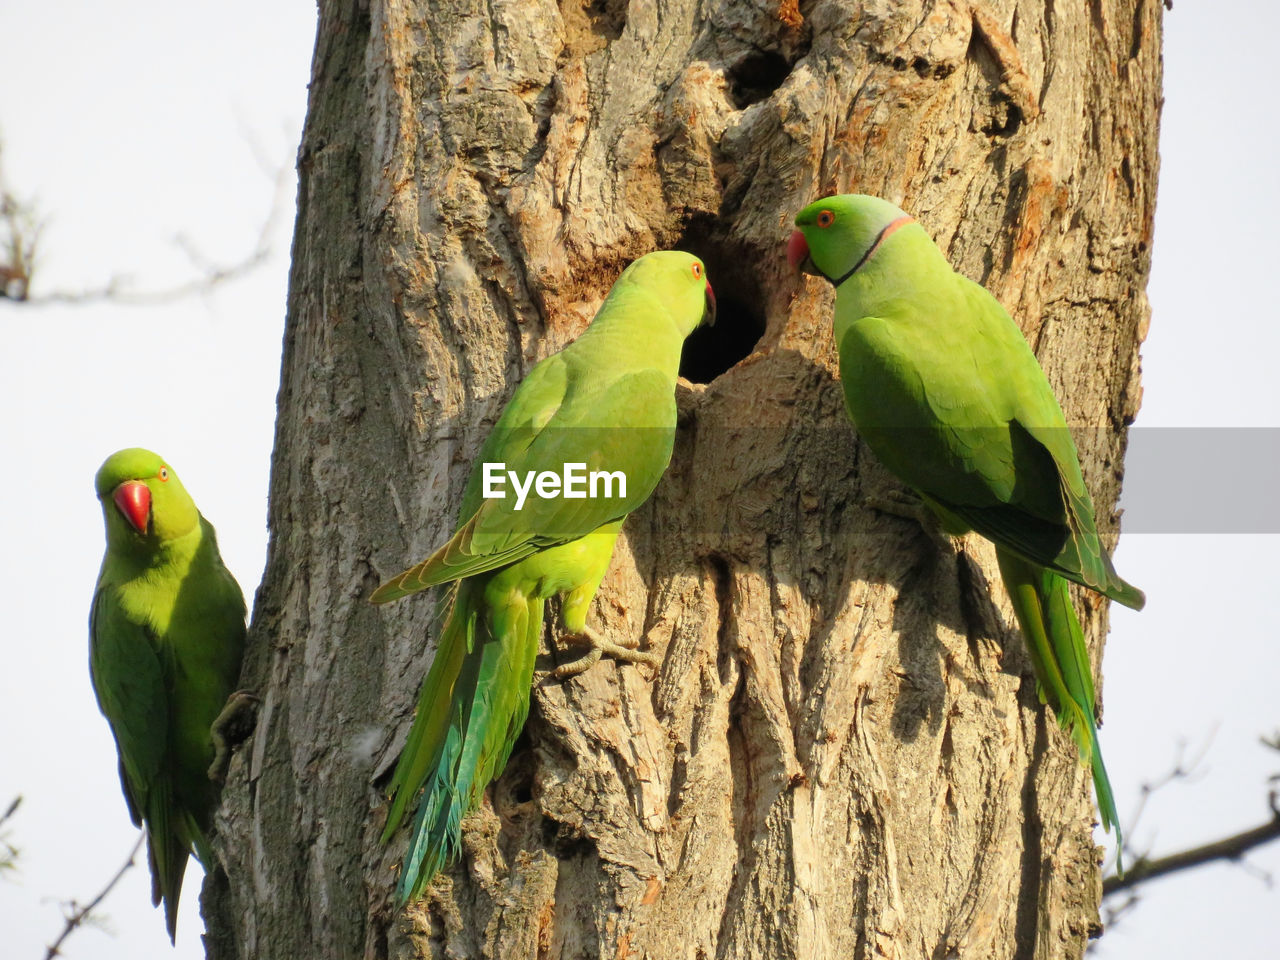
x: 1176, y: 480
x: 1202, y: 480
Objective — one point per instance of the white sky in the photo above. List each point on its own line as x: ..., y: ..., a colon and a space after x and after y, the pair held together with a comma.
x: 128, y: 123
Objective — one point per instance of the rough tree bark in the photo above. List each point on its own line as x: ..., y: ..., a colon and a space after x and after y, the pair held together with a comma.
x: 842, y: 754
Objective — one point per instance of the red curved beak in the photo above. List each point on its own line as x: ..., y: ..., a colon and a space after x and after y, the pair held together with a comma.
x: 133, y: 499
x: 709, y: 317
x: 797, y: 251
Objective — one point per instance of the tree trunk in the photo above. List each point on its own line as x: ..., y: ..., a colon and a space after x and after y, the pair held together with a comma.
x: 842, y: 754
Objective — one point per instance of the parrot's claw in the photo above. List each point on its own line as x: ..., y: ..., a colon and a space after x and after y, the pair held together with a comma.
x: 909, y: 506
x: 624, y: 650
x: 230, y: 729
x: 899, y: 503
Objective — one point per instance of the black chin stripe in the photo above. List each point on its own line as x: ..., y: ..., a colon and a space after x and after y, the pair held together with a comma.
x: 887, y: 229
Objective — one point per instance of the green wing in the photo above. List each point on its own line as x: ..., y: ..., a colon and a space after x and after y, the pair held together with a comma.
x: 129, y: 682
x: 624, y: 423
x: 963, y: 413
x: 132, y: 690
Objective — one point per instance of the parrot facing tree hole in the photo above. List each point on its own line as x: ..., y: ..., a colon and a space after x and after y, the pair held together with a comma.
x: 605, y: 402
x: 944, y: 389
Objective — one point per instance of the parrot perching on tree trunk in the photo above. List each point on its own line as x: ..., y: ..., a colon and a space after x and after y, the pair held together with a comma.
x: 606, y: 403
x: 166, y: 637
x: 944, y: 389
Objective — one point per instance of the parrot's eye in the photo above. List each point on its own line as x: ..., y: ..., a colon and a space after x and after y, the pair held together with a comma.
x: 164, y: 473
x: 826, y: 218
x: 697, y: 271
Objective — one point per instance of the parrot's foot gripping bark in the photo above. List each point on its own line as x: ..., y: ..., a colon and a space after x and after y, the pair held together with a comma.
x: 230, y: 729
x: 626, y: 650
x: 909, y: 506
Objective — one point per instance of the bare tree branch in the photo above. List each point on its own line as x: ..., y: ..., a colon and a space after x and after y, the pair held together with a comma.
x: 1233, y: 847
x: 1185, y: 769
x: 78, y: 916
x: 11, y: 809
x: 1228, y: 848
x: 20, y: 232
x: 8, y: 852
x: 19, y: 236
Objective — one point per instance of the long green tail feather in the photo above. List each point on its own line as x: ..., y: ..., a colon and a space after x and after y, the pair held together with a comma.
x: 472, y: 707
x: 422, y: 749
x: 436, y: 828
x: 168, y: 848
x: 1064, y: 676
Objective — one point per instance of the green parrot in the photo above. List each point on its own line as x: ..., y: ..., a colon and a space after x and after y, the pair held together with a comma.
x: 944, y: 389
x: 166, y: 636
x: 605, y: 404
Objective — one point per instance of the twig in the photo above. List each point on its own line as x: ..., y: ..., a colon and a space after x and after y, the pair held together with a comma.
x: 1228, y: 848
x: 8, y: 852
x: 19, y: 236
x: 80, y: 914
x: 117, y: 289
x: 20, y: 232
x: 12, y: 809
x: 1182, y: 770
